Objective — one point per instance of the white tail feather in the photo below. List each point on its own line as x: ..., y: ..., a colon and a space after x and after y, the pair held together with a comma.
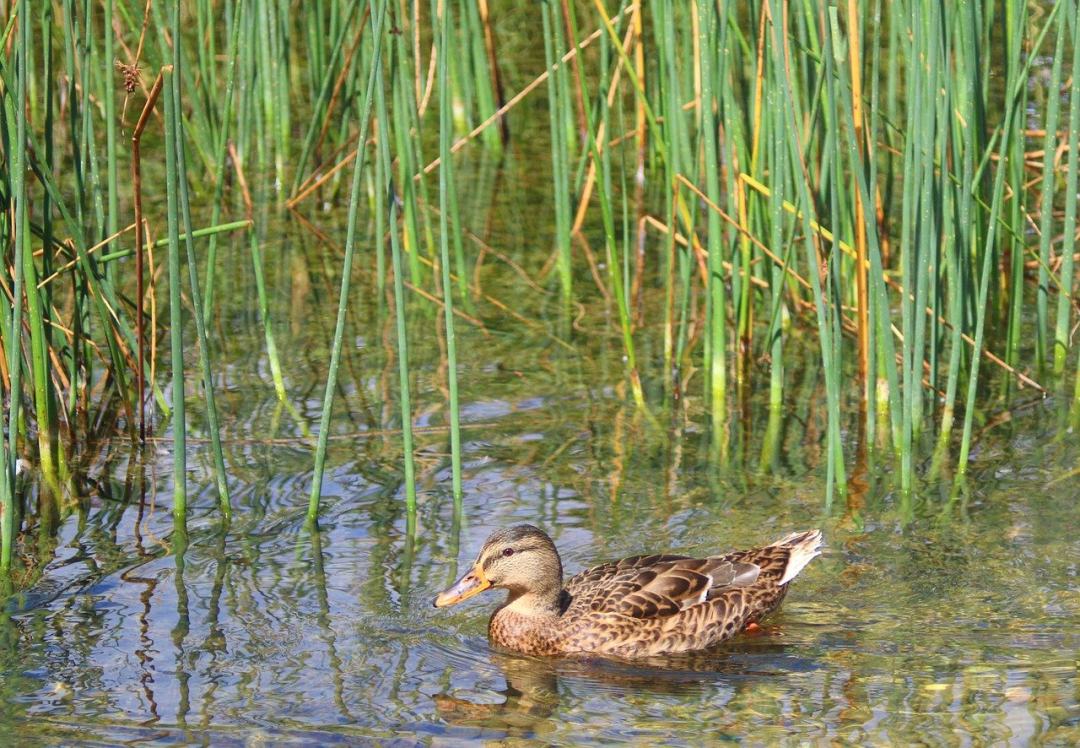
x: 805, y: 547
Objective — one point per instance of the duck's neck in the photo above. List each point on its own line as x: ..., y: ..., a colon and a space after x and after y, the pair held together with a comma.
x: 545, y: 603
x: 528, y: 622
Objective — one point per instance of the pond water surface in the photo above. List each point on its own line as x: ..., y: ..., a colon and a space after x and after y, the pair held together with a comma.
x: 950, y: 616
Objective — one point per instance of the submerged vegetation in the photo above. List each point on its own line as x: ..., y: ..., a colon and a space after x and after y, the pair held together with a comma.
x: 894, y: 182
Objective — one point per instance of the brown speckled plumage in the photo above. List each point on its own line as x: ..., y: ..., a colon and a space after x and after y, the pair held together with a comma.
x: 636, y: 607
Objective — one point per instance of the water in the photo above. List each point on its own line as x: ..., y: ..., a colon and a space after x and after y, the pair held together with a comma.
x: 957, y: 625
x: 948, y: 617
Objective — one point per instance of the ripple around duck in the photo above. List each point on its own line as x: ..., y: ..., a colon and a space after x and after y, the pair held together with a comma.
x: 510, y: 695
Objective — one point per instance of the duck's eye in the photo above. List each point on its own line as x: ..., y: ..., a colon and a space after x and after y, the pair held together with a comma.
x: 508, y: 551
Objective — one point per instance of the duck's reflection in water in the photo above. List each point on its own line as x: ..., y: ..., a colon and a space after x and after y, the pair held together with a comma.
x: 531, y: 694
x: 536, y: 686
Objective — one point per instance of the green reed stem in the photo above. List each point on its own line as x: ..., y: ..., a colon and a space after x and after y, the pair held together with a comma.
x: 1049, y: 184
x: 179, y: 421
x: 193, y: 274
x: 1072, y: 175
x: 613, y: 261
x: 967, y: 137
x: 346, y: 267
x: 918, y: 233
x: 827, y: 334
x: 399, y: 318
x: 403, y: 362
x: 319, y: 112
x: 446, y: 187
x: 222, y: 159
x: 404, y: 104
x: 14, y: 329
x: 774, y: 334
x: 255, y: 240
x: 1013, y: 283
x: 680, y: 162
x: 44, y: 402
x: 1014, y: 85
x: 716, y: 291
x: 383, y: 170
x: 272, y: 60
x: 75, y: 131
x: 39, y: 305
x: 483, y: 77
x: 560, y: 168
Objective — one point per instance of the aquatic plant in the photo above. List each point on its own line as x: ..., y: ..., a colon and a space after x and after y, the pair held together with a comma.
x: 890, y: 185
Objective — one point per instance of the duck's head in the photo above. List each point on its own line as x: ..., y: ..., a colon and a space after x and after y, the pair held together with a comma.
x: 521, y: 559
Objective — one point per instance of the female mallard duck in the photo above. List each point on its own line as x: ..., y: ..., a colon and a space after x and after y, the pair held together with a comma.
x: 636, y: 607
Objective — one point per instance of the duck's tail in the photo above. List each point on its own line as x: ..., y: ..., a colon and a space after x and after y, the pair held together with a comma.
x: 803, y: 548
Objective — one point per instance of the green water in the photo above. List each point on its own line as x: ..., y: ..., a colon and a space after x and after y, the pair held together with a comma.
x: 947, y: 617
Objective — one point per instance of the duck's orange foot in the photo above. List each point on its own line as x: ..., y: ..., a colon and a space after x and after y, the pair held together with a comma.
x: 755, y: 630
x: 752, y: 629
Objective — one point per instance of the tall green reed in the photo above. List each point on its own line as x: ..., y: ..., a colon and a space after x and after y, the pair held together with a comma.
x: 176, y: 341
x: 13, y: 330
x: 374, y: 90
x: 1072, y: 179
x: 558, y: 113
x: 715, y: 353
x: 398, y: 269
x: 448, y: 221
x: 1014, y: 87
x: 180, y: 183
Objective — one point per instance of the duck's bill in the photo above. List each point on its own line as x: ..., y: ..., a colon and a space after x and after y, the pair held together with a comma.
x: 473, y: 583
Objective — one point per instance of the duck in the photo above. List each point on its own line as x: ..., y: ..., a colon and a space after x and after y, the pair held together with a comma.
x: 635, y: 607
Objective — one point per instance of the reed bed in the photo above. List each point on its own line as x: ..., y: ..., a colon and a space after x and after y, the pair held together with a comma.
x: 894, y: 182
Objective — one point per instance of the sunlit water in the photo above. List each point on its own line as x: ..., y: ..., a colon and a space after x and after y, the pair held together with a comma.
x: 947, y: 617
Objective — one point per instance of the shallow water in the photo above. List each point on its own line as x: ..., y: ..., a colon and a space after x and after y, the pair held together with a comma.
x: 959, y: 625
x: 947, y: 617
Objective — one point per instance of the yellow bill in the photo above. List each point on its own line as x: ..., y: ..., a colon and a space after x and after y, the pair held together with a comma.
x: 473, y: 583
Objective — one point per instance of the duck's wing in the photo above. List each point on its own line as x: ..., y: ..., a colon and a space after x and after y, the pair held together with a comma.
x: 654, y: 586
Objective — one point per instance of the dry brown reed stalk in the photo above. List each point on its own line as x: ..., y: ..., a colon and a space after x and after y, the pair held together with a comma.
x: 72, y: 263
x: 339, y: 82
x: 826, y: 235
x: 318, y: 179
x: 579, y: 95
x: 493, y: 66
x: 590, y: 176
x: 517, y: 98
x: 862, y: 293
x: 241, y: 180
x: 442, y: 306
